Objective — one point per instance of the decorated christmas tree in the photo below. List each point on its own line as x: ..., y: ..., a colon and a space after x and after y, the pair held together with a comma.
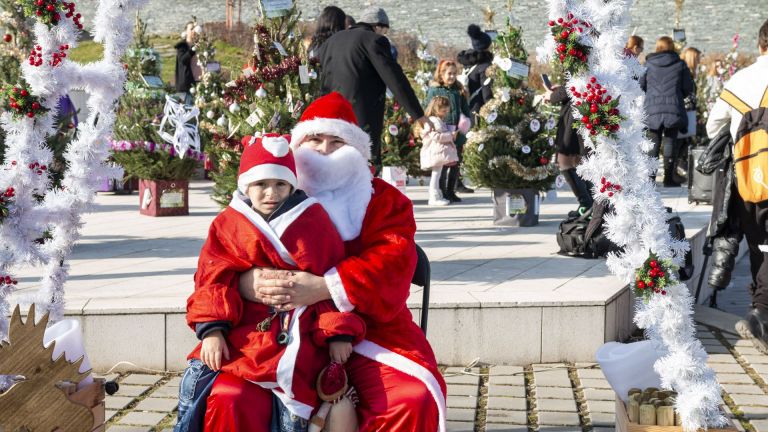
x: 399, y: 147
x: 512, y: 146
x: 269, y: 96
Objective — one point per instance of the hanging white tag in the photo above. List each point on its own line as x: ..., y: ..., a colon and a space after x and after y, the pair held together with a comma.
x: 280, y: 48
x: 247, y: 72
x: 253, y: 119
x: 303, y: 74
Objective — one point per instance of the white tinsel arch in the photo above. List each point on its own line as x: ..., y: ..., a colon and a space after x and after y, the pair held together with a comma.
x: 639, y: 222
x: 59, y: 212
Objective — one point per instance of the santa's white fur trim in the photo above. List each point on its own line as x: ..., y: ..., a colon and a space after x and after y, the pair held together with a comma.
x: 349, y: 132
x: 287, y: 363
x: 396, y: 361
x: 265, y: 172
x: 337, y: 290
x: 238, y: 204
x: 282, y: 222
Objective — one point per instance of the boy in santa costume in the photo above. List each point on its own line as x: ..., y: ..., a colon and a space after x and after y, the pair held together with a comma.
x: 268, y: 223
x: 393, y: 369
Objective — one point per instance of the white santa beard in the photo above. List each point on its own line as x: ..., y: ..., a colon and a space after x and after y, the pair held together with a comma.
x: 341, y: 181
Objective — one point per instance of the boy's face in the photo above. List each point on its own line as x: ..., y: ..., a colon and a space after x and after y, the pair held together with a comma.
x: 267, y: 195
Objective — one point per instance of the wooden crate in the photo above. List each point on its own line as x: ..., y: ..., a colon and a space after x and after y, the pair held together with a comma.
x: 624, y: 425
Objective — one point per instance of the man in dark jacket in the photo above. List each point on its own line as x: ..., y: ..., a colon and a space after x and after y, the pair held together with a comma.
x: 358, y: 63
x: 185, y: 80
x: 666, y: 84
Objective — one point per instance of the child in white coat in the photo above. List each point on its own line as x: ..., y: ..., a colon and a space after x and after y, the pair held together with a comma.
x: 437, y: 148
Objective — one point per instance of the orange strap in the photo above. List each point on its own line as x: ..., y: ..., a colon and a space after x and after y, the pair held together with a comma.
x: 734, y: 101
x: 764, y: 102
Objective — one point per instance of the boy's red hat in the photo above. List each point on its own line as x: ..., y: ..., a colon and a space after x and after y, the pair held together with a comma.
x: 332, y: 114
x: 266, y: 157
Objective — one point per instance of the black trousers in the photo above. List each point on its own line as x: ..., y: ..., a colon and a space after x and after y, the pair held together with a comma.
x: 752, y: 219
x: 666, y: 137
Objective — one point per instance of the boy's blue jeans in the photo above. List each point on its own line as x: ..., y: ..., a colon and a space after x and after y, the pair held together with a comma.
x: 196, y: 385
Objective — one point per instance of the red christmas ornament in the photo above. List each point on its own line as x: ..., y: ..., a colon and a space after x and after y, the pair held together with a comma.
x: 8, y: 38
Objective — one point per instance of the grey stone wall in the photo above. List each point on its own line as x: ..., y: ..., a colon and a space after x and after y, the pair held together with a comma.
x: 709, y: 24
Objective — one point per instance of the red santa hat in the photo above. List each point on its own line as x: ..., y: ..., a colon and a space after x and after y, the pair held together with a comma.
x: 332, y: 114
x: 266, y: 157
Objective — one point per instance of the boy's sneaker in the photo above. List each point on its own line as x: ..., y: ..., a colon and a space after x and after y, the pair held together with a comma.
x: 436, y: 199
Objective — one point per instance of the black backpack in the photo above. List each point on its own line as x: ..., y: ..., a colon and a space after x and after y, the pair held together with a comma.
x: 583, y: 236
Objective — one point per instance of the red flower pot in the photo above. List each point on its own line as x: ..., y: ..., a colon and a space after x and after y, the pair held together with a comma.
x: 164, y: 197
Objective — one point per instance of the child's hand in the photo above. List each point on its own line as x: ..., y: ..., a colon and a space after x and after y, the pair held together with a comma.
x: 214, y: 345
x: 340, y: 351
x: 455, y: 135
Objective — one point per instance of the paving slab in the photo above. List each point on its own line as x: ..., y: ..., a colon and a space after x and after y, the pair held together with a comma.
x: 721, y: 358
x: 141, y: 379
x: 599, y: 394
x: 590, y: 373
x: 601, y: 406
x: 554, y: 418
x: 117, y: 402
x: 515, y: 380
x: 554, y: 392
x: 750, y: 399
x: 462, y: 390
x: 760, y: 425
x: 602, y: 418
x: 595, y: 383
x: 504, y: 416
x: 157, y: 404
x: 166, y: 391
x: 752, y: 389
x: 132, y: 390
x: 507, y: 403
x: 121, y: 428
x: 505, y: 428
x: 552, y: 378
x: 753, y: 412
x: 728, y: 368
x: 506, y: 391
x: 454, y: 426
x: 461, y: 415
x: 142, y: 418
x: 755, y: 358
x: 562, y: 405
x: 461, y: 402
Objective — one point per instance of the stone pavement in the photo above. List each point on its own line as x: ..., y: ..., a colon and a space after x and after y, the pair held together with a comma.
x: 538, y: 397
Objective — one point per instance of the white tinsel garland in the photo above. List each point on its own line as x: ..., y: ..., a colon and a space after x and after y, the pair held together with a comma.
x: 639, y: 222
x: 59, y: 212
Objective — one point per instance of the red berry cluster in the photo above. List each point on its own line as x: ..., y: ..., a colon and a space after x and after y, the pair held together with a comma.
x: 19, y: 101
x: 37, y: 168
x: 543, y: 160
x: 7, y: 280
x: 652, y: 278
x: 36, y: 56
x: 606, y: 186
x: 49, y: 11
x: 58, y: 57
x: 599, y: 111
x: 5, y: 199
x: 570, y: 51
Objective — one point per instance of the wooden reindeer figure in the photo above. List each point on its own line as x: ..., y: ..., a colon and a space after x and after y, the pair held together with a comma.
x: 36, y: 403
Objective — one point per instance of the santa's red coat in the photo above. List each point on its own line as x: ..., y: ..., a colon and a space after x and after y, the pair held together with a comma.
x: 374, y: 281
x: 303, y: 238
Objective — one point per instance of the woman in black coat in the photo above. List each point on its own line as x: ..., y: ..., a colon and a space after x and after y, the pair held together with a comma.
x: 570, y: 148
x: 331, y: 20
x: 666, y: 83
x: 475, y: 62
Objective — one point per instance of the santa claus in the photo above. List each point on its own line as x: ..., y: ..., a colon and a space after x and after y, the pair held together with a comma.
x: 393, y: 369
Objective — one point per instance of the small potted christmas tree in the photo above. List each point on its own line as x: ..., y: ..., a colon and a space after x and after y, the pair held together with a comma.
x: 511, y: 150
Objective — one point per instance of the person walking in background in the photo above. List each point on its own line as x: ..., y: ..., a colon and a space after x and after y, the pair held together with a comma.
x: 634, y: 46
x: 475, y: 62
x: 185, y: 79
x: 438, y: 149
x: 741, y: 107
x: 358, y: 63
x: 692, y: 58
x: 667, y: 83
x: 570, y: 147
x: 457, y: 119
x: 331, y: 20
